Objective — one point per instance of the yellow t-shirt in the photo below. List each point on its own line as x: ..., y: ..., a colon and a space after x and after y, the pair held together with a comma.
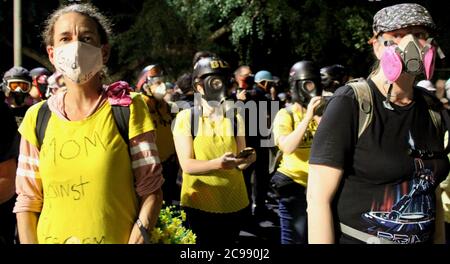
x: 294, y: 165
x: 86, y: 174
x: 219, y: 191
x: 162, y: 121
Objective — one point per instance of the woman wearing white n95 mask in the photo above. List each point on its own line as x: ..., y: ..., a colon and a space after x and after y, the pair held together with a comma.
x: 85, y: 181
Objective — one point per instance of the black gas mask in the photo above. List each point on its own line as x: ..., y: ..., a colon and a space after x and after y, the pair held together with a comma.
x: 213, y: 75
x: 304, y: 80
x: 214, y: 88
x: 303, y: 90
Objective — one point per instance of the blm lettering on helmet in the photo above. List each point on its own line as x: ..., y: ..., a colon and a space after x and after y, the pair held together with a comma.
x: 219, y: 64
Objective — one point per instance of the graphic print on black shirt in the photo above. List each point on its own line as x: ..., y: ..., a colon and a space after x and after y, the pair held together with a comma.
x: 384, y: 192
x: 406, y: 214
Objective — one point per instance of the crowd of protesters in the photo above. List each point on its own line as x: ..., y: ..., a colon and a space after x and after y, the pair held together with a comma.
x: 347, y: 160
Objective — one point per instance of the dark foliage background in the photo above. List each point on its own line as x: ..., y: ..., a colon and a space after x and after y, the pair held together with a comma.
x: 266, y: 34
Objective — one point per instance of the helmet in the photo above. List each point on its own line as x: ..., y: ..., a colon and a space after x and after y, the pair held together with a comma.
x: 303, y: 70
x: 19, y: 73
x: 263, y: 76
x: 16, y: 79
x: 40, y: 76
x: 333, y: 76
x: 149, y: 72
x: 210, y: 66
x: 304, y: 81
x: 214, y: 75
x: 34, y: 73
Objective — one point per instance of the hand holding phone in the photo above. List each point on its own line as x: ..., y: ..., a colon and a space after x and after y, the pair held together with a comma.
x: 245, y: 153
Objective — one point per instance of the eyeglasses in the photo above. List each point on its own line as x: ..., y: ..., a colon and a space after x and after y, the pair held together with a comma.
x: 18, y: 86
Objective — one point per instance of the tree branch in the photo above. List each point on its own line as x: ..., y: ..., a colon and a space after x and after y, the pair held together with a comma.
x: 218, y: 33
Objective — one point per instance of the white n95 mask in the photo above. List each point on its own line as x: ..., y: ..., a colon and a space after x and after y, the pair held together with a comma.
x: 78, y: 61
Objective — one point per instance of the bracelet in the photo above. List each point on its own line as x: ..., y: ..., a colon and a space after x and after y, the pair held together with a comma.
x: 144, y: 231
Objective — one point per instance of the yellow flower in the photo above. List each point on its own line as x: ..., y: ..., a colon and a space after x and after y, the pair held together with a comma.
x: 170, y: 229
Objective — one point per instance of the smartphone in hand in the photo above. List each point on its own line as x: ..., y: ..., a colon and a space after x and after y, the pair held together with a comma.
x: 245, y: 153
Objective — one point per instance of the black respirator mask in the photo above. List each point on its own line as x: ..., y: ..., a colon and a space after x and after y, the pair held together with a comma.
x: 303, y: 90
x: 215, y: 88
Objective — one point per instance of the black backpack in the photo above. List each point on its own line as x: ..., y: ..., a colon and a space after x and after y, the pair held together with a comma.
x: 121, y: 116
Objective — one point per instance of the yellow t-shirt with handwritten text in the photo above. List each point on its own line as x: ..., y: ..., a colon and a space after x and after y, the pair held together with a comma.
x: 294, y: 165
x: 162, y: 121
x: 218, y: 191
x: 86, y: 175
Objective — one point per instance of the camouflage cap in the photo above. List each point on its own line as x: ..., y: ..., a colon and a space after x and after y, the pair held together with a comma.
x: 400, y: 16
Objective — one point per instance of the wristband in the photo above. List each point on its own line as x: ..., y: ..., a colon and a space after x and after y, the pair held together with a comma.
x: 144, y: 231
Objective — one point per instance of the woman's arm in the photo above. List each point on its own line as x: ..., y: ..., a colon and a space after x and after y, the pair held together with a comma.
x: 190, y: 165
x: 147, y: 171
x: 29, y: 193
x: 148, y: 215
x: 323, y: 182
x: 289, y: 143
x: 27, y: 226
x: 439, y: 232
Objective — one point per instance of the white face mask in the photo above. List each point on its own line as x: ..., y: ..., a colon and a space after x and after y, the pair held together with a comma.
x: 160, y: 91
x: 78, y: 61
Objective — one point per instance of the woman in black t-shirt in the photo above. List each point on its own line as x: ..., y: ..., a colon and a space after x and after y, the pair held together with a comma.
x: 379, y: 186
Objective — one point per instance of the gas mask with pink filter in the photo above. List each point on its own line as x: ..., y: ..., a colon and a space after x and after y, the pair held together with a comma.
x: 408, y: 56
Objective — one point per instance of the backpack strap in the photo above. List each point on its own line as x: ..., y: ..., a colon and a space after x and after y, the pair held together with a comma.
x: 121, y: 116
x: 234, y: 122
x: 195, y: 115
x: 291, y: 114
x: 43, y: 116
x: 363, y: 95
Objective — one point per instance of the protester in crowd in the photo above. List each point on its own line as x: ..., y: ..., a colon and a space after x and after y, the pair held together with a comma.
x: 55, y: 85
x: 375, y: 165
x: 260, y: 169
x: 16, y: 87
x: 9, y: 150
x: 39, y: 83
x: 184, y: 90
x: 208, y: 138
x: 82, y: 176
x: 293, y: 130
x: 244, y: 79
x: 152, y: 85
x: 333, y: 77
x: 170, y: 91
